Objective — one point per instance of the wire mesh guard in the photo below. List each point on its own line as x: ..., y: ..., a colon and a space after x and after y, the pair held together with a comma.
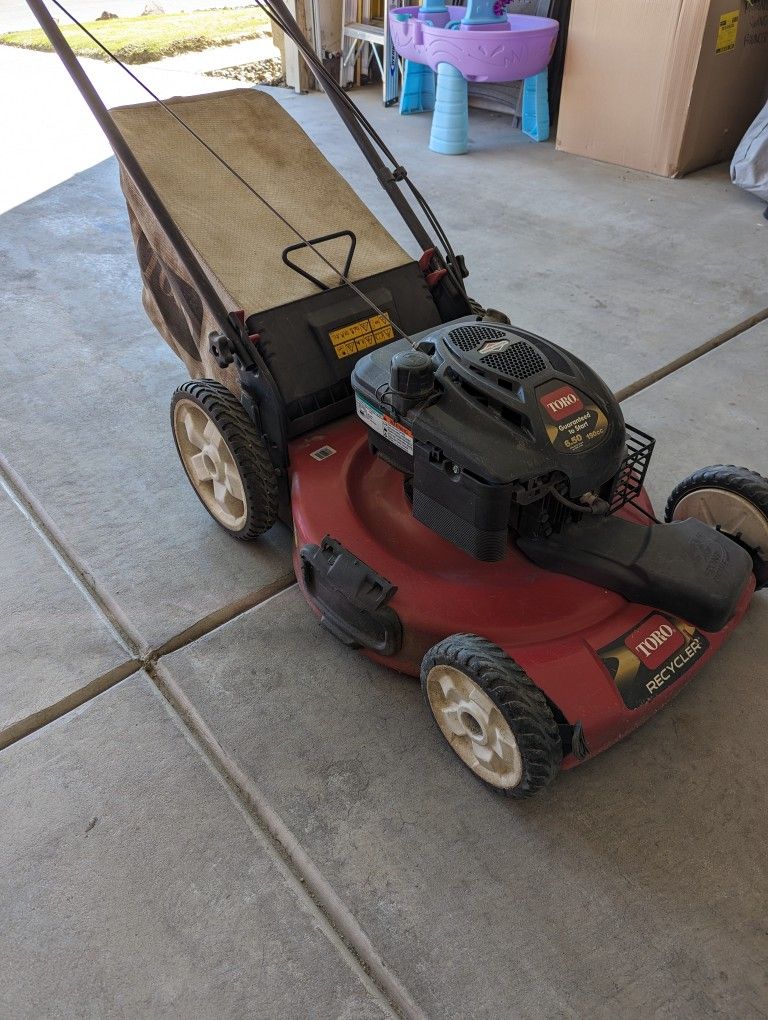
x: 631, y: 474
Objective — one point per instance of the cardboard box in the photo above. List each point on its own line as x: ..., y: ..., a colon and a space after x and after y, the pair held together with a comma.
x: 666, y: 86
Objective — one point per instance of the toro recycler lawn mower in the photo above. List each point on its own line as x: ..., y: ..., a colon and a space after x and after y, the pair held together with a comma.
x: 466, y: 499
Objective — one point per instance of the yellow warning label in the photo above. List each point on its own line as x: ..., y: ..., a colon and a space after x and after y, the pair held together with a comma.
x: 727, y: 30
x: 361, y: 335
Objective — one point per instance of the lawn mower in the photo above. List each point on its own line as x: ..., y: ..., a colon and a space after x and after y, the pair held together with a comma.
x: 467, y: 502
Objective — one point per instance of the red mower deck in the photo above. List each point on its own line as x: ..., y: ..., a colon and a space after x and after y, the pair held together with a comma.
x: 580, y: 644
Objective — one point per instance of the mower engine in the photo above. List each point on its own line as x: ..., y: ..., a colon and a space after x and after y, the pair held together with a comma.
x: 497, y: 429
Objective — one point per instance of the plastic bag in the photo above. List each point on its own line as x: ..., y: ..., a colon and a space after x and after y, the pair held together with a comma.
x: 749, y: 167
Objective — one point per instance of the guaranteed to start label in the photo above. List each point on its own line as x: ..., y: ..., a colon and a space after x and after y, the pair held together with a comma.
x: 360, y: 336
x: 573, y: 424
x: 647, y: 660
x: 727, y: 31
x: 384, y: 425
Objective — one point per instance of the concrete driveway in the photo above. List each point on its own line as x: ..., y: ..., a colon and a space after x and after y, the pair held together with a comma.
x: 210, y: 807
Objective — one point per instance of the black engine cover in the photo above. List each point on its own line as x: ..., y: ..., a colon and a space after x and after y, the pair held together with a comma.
x: 508, y: 412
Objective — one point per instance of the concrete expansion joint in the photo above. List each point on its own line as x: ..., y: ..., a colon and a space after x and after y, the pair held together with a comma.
x: 31, y: 723
x: 690, y: 356
x: 138, y: 652
x: 311, y: 889
x: 309, y: 884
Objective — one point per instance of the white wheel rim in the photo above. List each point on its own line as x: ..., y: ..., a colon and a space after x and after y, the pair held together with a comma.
x: 474, y: 727
x: 210, y: 465
x: 734, y: 514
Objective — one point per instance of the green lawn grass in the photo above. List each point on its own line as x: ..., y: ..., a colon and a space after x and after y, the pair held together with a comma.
x: 150, y: 37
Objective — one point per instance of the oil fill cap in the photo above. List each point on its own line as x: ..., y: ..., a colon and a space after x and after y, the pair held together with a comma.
x: 411, y: 375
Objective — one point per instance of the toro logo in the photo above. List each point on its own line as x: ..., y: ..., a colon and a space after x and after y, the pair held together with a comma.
x: 654, y: 641
x: 560, y: 403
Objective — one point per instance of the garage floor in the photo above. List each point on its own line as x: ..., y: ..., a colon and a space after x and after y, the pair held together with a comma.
x: 212, y: 809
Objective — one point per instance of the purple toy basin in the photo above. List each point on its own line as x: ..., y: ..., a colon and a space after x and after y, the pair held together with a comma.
x: 521, y: 50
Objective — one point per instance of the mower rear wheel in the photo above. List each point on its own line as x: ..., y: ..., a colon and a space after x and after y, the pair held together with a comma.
x: 224, y: 458
x: 492, y: 715
x: 732, y: 499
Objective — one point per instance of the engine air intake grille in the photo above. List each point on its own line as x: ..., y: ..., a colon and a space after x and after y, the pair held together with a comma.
x: 467, y: 338
x: 519, y: 360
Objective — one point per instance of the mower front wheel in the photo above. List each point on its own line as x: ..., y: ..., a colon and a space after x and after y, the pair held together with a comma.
x: 224, y: 458
x: 732, y: 499
x: 492, y: 715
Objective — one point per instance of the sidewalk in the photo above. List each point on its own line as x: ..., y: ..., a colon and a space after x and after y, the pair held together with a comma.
x: 213, y: 809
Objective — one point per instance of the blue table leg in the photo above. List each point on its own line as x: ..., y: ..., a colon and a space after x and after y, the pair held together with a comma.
x: 450, y: 121
x: 536, y: 107
x: 417, y: 93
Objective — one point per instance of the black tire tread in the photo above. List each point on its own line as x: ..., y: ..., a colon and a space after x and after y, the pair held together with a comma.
x: 520, y: 701
x: 256, y: 469
x: 740, y: 480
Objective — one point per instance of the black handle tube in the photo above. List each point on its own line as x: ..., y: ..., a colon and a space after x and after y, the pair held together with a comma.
x: 144, y: 186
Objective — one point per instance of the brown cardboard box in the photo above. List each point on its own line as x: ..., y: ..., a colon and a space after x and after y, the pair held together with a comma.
x: 667, y: 86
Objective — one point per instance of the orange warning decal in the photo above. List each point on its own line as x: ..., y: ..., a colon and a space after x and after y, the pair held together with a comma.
x: 361, y: 335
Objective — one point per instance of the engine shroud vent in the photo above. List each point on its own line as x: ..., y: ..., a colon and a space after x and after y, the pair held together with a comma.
x: 520, y: 361
x: 498, y: 350
x: 469, y: 338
